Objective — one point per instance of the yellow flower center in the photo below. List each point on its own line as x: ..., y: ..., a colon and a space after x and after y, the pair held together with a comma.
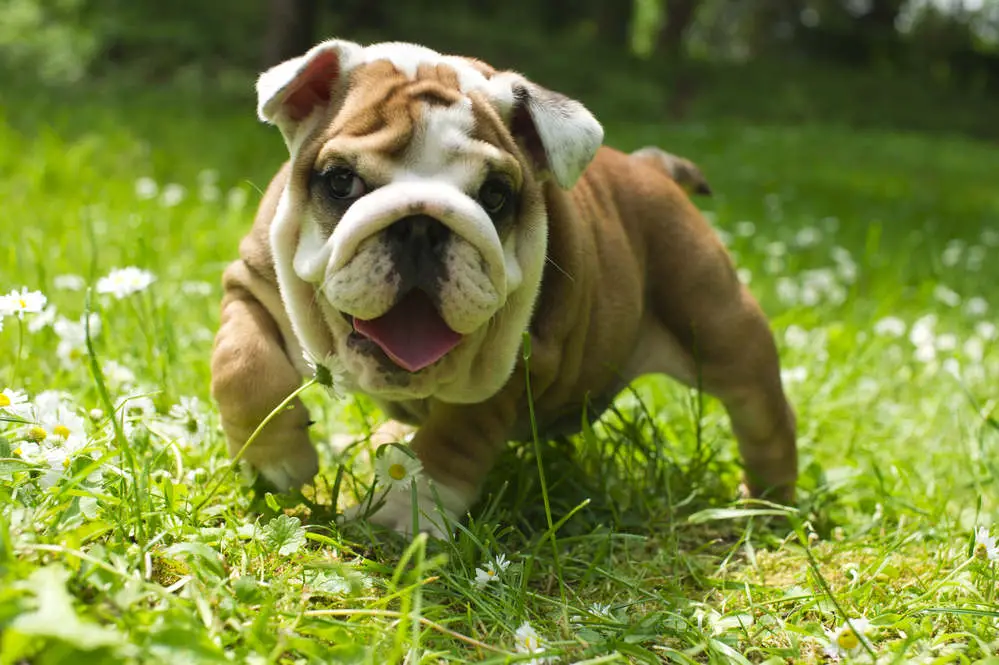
x: 4, y: 400
x: 848, y: 640
x: 397, y: 471
x: 65, y: 463
x: 17, y: 452
x: 491, y: 573
x: 61, y: 430
x: 23, y: 304
x: 37, y: 433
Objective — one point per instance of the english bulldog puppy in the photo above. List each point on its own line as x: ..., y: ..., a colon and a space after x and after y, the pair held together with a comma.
x: 431, y: 211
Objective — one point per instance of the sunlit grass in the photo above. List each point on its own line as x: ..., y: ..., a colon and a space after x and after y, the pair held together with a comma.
x: 870, y: 252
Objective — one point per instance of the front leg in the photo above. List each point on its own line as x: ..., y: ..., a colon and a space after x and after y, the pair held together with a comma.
x: 252, y: 373
x: 457, y: 445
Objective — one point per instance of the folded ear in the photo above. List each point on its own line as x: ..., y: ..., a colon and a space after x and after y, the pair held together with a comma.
x: 289, y: 93
x: 560, y: 134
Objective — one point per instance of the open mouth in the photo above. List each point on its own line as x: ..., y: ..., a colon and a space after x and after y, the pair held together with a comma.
x: 412, y: 334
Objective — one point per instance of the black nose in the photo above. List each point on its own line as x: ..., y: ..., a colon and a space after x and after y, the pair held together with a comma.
x: 417, y: 244
x: 418, y: 232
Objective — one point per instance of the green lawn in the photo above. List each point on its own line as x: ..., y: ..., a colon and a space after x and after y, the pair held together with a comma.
x: 872, y: 253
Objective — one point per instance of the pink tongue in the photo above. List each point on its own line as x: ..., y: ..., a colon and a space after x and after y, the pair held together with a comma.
x: 412, y: 333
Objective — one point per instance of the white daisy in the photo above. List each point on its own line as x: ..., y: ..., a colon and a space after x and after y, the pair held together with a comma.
x: 123, y: 282
x: 173, y: 194
x: 15, y: 403
x: 146, y: 188
x: 985, y: 545
x: 56, y: 421
x: 794, y: 375
x: 890, y: 326
x: 847, y: 639
x: 72, y: 347
x: 187, y: 421
x: 42, y: 320
x: 491, y: 571
x: 69, y: 282
x: 601, y: 610
x: 117, y: 375
x: 54, y: 459
x: 946, y: 296
x: 329, y: 372
x: 527, y: 640
x: 18, y: 303
x: 976, y: 306
x: 395, y: 469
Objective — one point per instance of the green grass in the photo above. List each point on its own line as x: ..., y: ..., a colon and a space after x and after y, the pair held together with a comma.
x: 113, y: 557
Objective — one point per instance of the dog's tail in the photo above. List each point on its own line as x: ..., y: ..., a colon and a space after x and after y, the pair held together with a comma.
x: 683, y: 171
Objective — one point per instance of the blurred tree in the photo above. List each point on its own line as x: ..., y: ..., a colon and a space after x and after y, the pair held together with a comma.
x: 290, y: 29
x: 679, y: 15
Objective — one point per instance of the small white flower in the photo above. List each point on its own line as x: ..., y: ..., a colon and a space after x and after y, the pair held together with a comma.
x: 527, y: 640
x: 890, y: 326
x: 601, y: 610
x: 236, y: 199
x: 973, y: 349
x: 787, y: 291
x: 72, y: 336
x: 329, y: 372
x: 986, y: 330
x: 946, y: 342
x: 18, y: 303
x: 123, y: 282
x: 15, y: 403
x: 952, y: 253
x: 187, y: 421
x: 926, y: 353
x: 847, y: 639
x: 42, y: 320
x: 990, y: 237
x: 172, y: 195
x: 69, y: 282
x: 117, y: 375
x: 395, y: 469
x: 976, y: 306
x: 491, y: 571
x: 795, y: 337
x: 745, y: 275
x: 922, y: 332
x: 952, y: 367
x: 985, y: 545
x: 136, y: 408
x: 946, y: 296
x: 808, y: 237
x: 794, y: 375
x: 775, y: 249
x: 745, y: 229
x: 146, y: 188
x: 56, y: 421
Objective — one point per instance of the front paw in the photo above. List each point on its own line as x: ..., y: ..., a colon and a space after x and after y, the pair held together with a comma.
x: 286, y: 461
x: 438, y: 509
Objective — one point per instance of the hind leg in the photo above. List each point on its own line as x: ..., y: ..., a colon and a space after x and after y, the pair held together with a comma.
x: 703, y: 327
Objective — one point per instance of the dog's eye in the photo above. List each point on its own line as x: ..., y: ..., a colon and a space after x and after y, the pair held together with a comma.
x: 494, y: 195
x: 344, y: 184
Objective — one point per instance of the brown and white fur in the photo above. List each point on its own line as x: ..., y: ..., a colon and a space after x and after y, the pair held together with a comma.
x: 601, y: 257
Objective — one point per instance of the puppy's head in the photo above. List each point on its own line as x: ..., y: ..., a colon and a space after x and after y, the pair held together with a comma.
x: 411, y: 236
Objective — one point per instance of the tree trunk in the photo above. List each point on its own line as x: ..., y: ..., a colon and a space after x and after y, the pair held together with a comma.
x: 679, y: 15
x: 289, y: 29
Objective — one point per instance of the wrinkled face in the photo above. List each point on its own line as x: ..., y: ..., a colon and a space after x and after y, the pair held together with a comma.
x: 411, y: 237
